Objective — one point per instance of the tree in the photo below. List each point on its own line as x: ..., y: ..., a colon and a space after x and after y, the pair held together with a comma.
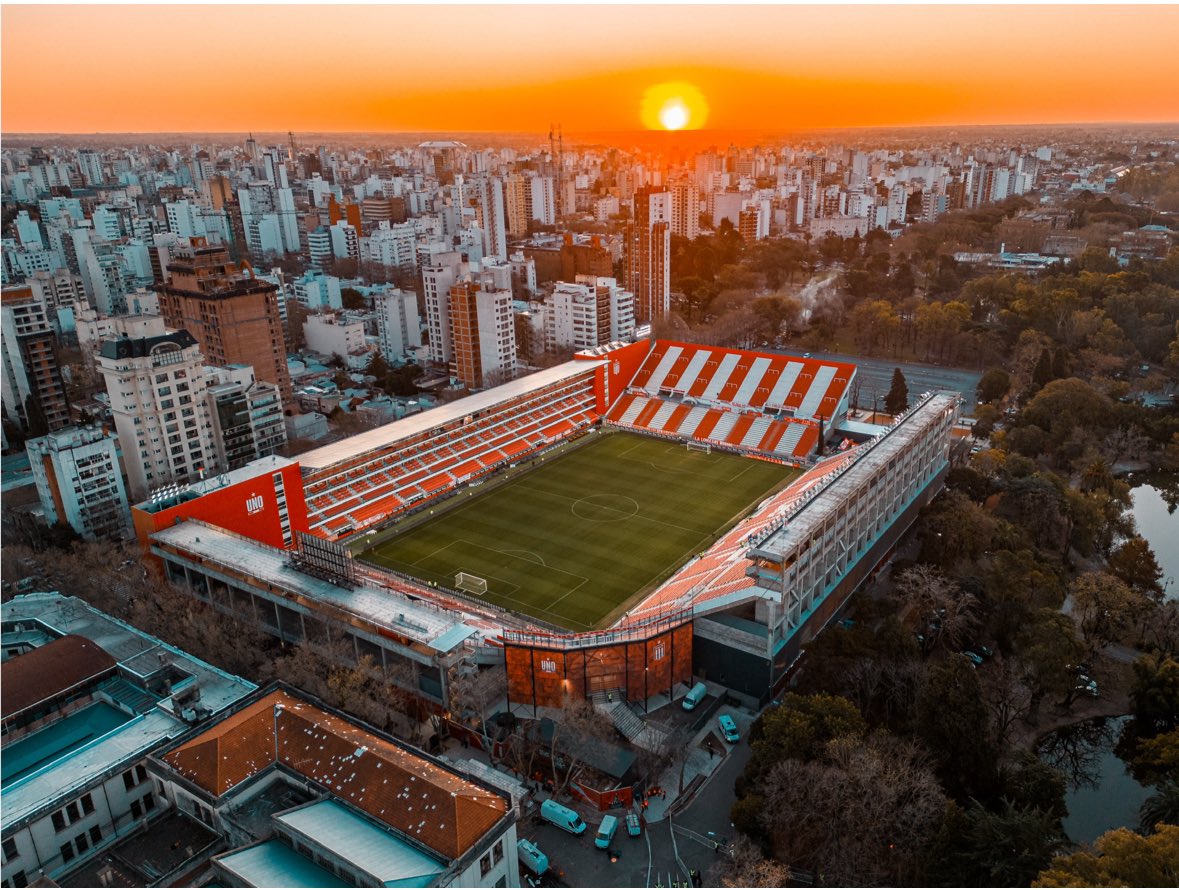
x: 475, y: 692
x: 978, y: 847
x: 1048, y: 652
x: 993, y: 385
x: 953, y: 722
x: 1155, y: 695
x: 351, y: 298
x: 1108, y: 608
x: 897, y: 399
x: 1134, y: 563
x: 1162, y: 807
x: 932, y: 596
x: 1120, y: 858
x: 862, y: 813
x: 747, y: 866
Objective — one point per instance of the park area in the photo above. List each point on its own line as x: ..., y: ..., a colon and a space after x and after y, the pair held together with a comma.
x: 583, y: 536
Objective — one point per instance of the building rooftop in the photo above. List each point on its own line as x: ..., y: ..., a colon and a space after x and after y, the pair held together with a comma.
x: 356, y: 840
x: 273, y: 864
x: 50, y: 670
x: 73, y: 752
x: 140, y: 347
x: 808, y: 520
x: 406, y: 428
x: 398, y: 786
x: 171, y: 495
x: 425, y: 624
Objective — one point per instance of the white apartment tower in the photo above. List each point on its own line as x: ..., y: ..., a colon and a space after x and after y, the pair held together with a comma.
x: 79, y: 482
x: 398, y: 323
x: 437, y: 280
x: 156, y: 385
x: 486, y: 195
x: 587, y: 313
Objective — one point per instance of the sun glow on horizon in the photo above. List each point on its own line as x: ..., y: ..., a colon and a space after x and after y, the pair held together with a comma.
x: 674, y: 105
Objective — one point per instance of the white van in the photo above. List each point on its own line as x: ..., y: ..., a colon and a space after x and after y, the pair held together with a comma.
x: 563, y: 817
x: 534, y: 860
x: 606, y: 832
x: 695, y: 695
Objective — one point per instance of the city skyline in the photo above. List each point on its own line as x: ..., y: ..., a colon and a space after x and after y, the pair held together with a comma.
x: 413, y: 68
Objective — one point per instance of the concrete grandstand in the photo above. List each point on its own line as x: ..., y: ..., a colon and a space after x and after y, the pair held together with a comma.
x: 725, y: 614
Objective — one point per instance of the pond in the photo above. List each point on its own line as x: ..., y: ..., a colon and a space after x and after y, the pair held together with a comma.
x: 1159, y: 524
x: 1101, y: 794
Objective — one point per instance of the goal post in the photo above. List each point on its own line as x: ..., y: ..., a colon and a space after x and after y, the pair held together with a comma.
x: 470, y: 583
x: 693, y: 445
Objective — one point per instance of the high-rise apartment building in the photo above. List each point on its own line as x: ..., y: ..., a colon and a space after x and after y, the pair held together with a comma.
x: 587, y: 313
x: 79, y: 483
x: 233, y: 315
x: 482, y: 334
x: 437, y: 280
x: 685, y: 209
x: 517, y: 207
x: 34, y: 395
x: 648, y: 247
x: 398, y: 324
x: 486, y: 195
x: 157, y: 389
x: 247, y: 416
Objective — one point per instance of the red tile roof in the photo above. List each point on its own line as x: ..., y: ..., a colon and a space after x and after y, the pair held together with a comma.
x: 392, y: 784
x: 50, y: 670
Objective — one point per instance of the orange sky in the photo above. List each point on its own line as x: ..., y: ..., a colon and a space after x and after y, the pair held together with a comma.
x: 78, y: 69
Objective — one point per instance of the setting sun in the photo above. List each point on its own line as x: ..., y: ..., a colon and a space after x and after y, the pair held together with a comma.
x: 673, y: 106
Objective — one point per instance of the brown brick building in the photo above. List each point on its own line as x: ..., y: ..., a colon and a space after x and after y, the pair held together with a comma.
x: 233, y: 316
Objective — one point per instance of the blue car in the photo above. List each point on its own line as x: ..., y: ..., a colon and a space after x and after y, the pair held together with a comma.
x: 729, y: 729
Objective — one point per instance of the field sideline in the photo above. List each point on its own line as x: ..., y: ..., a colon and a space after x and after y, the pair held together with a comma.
x: 583, y: 536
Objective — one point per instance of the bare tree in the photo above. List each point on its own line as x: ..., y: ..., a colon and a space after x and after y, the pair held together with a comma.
x: 578, y: 734
x: 953, y: 613
x: 474, y: 694
x: 862, y: 815
x: 747, y: 866
x: 1007, y: 698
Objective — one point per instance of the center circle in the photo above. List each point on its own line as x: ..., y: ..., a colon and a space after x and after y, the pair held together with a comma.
x: 605, y: 508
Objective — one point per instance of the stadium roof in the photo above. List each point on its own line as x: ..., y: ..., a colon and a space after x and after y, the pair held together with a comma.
x: 408, y: 427
x: 809, y: 519
x: 271, y: 566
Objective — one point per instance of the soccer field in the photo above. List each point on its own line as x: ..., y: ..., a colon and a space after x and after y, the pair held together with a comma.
x: 585, y: 534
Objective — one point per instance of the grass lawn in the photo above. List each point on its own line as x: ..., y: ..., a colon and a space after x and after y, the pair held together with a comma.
x: 585, y: 534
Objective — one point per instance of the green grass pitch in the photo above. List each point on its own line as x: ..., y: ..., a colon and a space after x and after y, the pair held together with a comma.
x: 586, y: 533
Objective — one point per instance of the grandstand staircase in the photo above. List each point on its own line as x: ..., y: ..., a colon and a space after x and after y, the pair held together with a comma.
x: 637, y: 731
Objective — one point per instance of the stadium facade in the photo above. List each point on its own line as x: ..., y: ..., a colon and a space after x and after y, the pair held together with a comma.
x: 738, y: 613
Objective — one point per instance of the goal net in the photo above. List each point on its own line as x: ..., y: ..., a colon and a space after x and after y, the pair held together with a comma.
x: 698, y: 446
x: 470, y: 583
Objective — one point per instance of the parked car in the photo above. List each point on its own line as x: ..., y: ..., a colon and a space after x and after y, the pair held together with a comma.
x: 974, y: 657
x: 1089, y: 687
x: 728, y: 728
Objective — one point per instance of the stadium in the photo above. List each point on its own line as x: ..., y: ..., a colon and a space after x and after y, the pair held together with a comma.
x: 641, y: 516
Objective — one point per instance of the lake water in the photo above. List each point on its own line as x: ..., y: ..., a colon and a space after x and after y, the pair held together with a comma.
x: 1160, y: 527
x: 1101, y: 793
